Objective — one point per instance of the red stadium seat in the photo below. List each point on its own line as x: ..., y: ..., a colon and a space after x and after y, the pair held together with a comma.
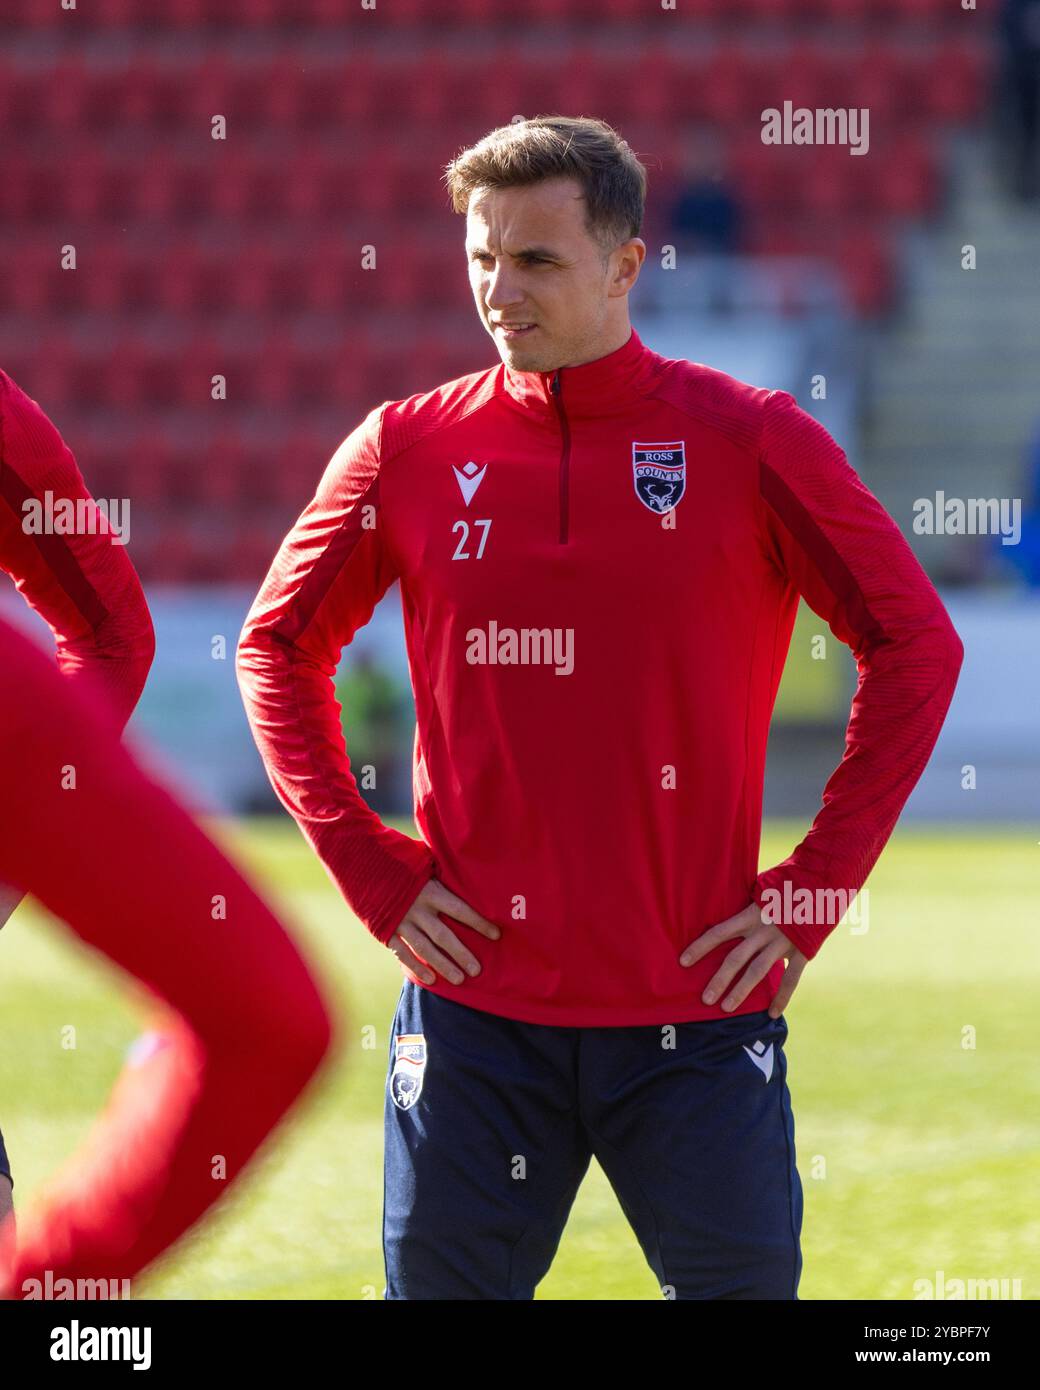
x: 248, y: 557
x: 173, y: 557
x: 151, y: 467
x: 233, y: 184
x: 329, y: 275
x: 827, y: 181
x: 958, y: 85
x: 292, y: 93
x: 179, y: 279
x: 580, y: 84
x: 223, y: 472
x: 329, y: 13
x: 16, y: 188
x: 64, y: 96
x: 114, y: 14
x: 813, y: 76
x: 931, y: 12
x: 40, y: 15
x: 401, y: 274
x: 272, y: 382
x: 102, y: 277
x: 779, y: 11
x: 298, y: 468
x: 310, y: 372
x: 429, y: 90
x: 648, y: 88
x: 212, y: 85
x: 251, y: 277
x: 52, y: 378
x: 865, y: 263
x: 908, y: 184
x: 84, y: 188
x: 188, y: 14
x: 848, y: 11
x: 723, y: 91
x: 356, y: 82
x: 200, y: 359
x: 328, y: 154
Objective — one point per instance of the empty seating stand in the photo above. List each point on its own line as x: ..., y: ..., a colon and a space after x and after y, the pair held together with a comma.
x: 310, y: 262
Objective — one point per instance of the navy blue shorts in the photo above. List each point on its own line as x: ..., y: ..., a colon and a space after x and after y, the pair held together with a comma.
x: 490, y: 1125
x: 5, y: 1167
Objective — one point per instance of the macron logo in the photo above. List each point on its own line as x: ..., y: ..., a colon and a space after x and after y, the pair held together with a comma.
x: 762, y: 1057
x: 469, y: 478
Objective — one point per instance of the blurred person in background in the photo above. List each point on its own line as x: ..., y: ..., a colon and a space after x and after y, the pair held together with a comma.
x: 1020, y: 82
x: 80, y: 580
x: 704, y: 217
x: 243, y: 1027
x: 1023, y: 559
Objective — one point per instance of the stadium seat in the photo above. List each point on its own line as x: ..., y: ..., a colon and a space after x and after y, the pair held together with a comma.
x: 958, y: 83
x: 907, y: 185
x: 250, y: 553
x: 63, y: 98
x: 827, y: 181
x: 857, y: 12
x: 333, y: 151
x: 51, y: 376
x: 865, y: 263
x: 151, y: 464
x: 41, y: 15
x: 329, y: 275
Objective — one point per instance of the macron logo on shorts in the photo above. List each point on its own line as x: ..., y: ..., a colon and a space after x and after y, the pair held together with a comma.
x: 762, y: 1057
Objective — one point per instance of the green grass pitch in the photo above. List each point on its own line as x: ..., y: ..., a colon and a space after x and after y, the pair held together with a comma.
x: 917, y: 1153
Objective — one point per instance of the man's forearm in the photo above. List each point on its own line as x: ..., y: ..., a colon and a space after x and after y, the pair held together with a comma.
x: 295, y: 719
x: 906, y: 686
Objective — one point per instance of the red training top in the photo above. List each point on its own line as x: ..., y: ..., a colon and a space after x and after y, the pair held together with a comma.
x: 599, y: 568
x: 132, y: 875
x: 82, y: 583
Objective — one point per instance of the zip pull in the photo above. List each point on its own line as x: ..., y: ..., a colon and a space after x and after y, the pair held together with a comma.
x: 565, y: 457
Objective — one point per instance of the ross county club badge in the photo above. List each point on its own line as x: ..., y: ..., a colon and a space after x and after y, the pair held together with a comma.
x: 659, y: 472
x: 406, y: 1079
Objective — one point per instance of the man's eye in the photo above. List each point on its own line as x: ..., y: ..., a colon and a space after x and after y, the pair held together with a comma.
x: 524, y: 260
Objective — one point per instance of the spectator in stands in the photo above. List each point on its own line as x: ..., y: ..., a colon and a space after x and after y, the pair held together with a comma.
x: 705, y: 217
x: 1025, y: 556
x: 1020, y: 83
x: 705, y: 214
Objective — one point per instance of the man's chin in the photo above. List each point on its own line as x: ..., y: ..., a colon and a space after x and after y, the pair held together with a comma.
x: 522, y: 359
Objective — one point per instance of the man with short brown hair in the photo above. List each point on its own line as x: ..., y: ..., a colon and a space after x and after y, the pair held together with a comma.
x: 600, y: 554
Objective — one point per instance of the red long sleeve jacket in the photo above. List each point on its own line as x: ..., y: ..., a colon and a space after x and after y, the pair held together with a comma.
x: 81, y: 583
x: 599, y: 570
x: 118, y: 860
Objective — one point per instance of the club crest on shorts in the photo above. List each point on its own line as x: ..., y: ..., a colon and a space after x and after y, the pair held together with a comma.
x: 659, y: 472
x: 406, y: 1079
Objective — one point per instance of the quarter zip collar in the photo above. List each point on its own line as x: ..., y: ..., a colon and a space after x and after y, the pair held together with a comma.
x: 591, y: 388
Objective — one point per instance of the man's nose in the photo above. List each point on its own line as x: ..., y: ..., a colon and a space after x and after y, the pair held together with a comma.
x: 502, y: 288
